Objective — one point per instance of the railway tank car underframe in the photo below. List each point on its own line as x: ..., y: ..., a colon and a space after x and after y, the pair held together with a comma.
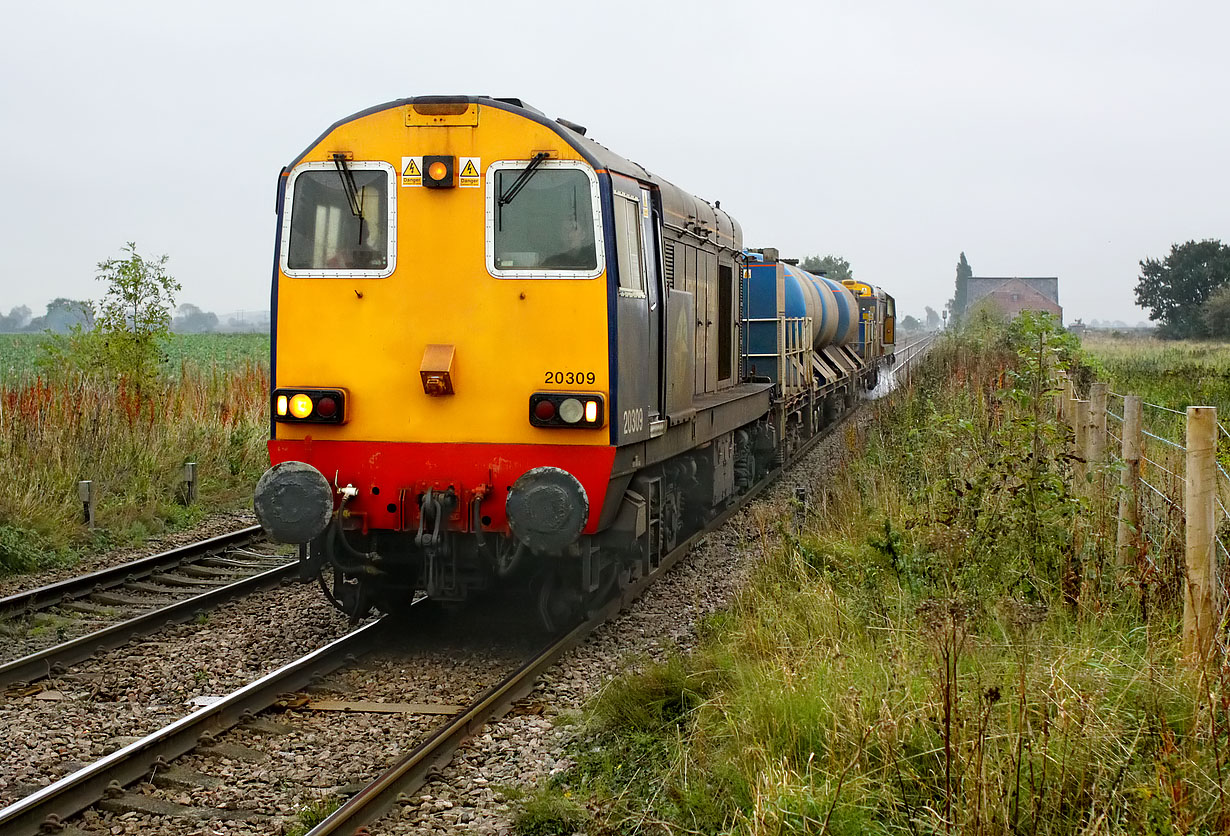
x: 667, y: 425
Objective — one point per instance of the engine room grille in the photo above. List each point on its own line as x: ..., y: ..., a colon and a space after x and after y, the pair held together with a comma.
x: 668, y: 263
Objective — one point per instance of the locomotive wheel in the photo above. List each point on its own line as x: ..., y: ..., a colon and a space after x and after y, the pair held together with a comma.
x: 559, y: 603
x: 672, y: 520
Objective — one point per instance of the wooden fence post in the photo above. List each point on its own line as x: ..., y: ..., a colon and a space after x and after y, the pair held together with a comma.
x: 1200, y: 601
x: 1097, y: 423
x: 1127, y: 537
x: 1080, y: 424
x: 1061, y: 396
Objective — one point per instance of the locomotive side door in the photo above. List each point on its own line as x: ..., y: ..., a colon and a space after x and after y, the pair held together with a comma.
x: 652, y: 259
x: 637, y: 362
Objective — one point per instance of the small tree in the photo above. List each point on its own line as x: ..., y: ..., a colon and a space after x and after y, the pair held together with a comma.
x: 134, y: 318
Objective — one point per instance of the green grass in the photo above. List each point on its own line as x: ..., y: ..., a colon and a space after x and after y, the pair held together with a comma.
x: 19, y: 353
x: 1173, y: 374
x: 946, y: 647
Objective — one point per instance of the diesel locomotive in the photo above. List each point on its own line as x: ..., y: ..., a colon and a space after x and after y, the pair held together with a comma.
x: 507, y: 357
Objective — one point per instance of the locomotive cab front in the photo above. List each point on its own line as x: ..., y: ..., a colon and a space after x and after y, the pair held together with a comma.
x: 489, y: 361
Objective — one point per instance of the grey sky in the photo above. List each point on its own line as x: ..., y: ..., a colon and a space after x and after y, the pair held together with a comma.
x: 1042, y: 138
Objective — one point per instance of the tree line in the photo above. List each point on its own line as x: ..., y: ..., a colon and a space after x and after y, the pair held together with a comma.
x: 64, y: 314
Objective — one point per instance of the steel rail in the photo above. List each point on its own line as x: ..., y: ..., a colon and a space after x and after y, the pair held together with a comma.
x: 411, y: 771
x: 50, y: 806
x: 79, y: 587
x: 46, y: 662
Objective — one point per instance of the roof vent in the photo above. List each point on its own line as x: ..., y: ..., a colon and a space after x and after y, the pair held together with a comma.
x: 572, y: 126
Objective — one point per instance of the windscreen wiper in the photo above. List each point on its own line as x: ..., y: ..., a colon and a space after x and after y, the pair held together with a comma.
x: 348, y: 186
x: 512, y: 191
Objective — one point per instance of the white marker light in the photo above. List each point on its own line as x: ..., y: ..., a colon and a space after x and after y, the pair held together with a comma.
x: 591, y: 412
x: 570, y: 411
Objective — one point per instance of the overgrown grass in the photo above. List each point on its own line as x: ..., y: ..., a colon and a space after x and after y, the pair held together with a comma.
x: 1173, y: 374
x: 58, y: 430
x: 943, y: 648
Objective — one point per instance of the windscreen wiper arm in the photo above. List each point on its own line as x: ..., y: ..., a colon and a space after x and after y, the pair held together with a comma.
x: 511, y: 193
x: 348, y: 186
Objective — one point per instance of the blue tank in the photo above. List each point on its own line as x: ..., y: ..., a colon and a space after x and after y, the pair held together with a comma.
x: 828, y: 304
x: 847, y: 317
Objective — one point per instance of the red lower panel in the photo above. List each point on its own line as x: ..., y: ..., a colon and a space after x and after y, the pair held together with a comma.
x: 390, y: 476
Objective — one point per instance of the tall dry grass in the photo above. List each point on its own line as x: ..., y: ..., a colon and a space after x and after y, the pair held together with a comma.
x: 58, y: 430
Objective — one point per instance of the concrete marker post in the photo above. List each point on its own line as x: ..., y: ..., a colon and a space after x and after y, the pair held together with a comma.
x: 187, y: 488
x: 85, y: 492
x: 1201, y: 607
x: 1127, y: 537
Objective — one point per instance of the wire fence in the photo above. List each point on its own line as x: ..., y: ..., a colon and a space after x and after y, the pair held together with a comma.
x: 1163, y: 482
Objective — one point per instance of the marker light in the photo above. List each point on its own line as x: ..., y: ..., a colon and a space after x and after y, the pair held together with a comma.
x: 300, y: 406
x: 567, y: 410
x: 309, y: 406
x: 438, y: 171
x: 571, y: 411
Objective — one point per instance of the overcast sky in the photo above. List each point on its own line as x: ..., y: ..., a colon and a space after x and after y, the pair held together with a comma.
x: 1041, y: 138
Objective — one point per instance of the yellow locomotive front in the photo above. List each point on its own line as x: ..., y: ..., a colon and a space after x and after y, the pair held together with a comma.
x: 441, y: 353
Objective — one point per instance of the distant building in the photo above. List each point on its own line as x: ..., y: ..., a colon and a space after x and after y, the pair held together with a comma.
x: 1011, y: 295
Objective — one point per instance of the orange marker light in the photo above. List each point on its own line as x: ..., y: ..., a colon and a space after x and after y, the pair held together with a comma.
x: 438, y: 171
x: 300, y: 406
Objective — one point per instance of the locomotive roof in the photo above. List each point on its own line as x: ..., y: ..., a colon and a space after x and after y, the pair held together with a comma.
x: 685, y: 213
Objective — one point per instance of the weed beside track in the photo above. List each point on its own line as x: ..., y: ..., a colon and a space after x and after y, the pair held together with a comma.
x: 946, y: 645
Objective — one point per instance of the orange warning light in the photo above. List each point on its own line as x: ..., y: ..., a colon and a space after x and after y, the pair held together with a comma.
x: 438, y: 172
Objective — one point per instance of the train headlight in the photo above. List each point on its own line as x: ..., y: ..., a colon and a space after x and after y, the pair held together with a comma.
x: 300, y: 406
x: 310, y: 406
x: 567, y: 410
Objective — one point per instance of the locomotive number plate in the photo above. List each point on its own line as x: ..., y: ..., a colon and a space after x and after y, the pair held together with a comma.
x: 570, y: 378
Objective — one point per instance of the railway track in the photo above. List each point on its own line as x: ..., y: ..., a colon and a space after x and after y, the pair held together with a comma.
x: 109, y: 608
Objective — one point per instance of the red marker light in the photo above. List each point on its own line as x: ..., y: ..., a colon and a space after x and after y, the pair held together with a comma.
x: 326, y: 407
x: 544, y: 410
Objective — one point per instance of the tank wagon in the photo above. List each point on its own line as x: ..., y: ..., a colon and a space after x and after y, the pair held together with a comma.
x: 504, y: 355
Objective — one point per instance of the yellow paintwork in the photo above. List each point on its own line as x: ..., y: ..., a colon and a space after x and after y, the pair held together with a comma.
x: 858, y: 288
x: 369, y: 335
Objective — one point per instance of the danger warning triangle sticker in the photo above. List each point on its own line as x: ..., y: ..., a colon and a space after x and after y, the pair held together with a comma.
x: 412, y: 170
x: 469, y: 170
